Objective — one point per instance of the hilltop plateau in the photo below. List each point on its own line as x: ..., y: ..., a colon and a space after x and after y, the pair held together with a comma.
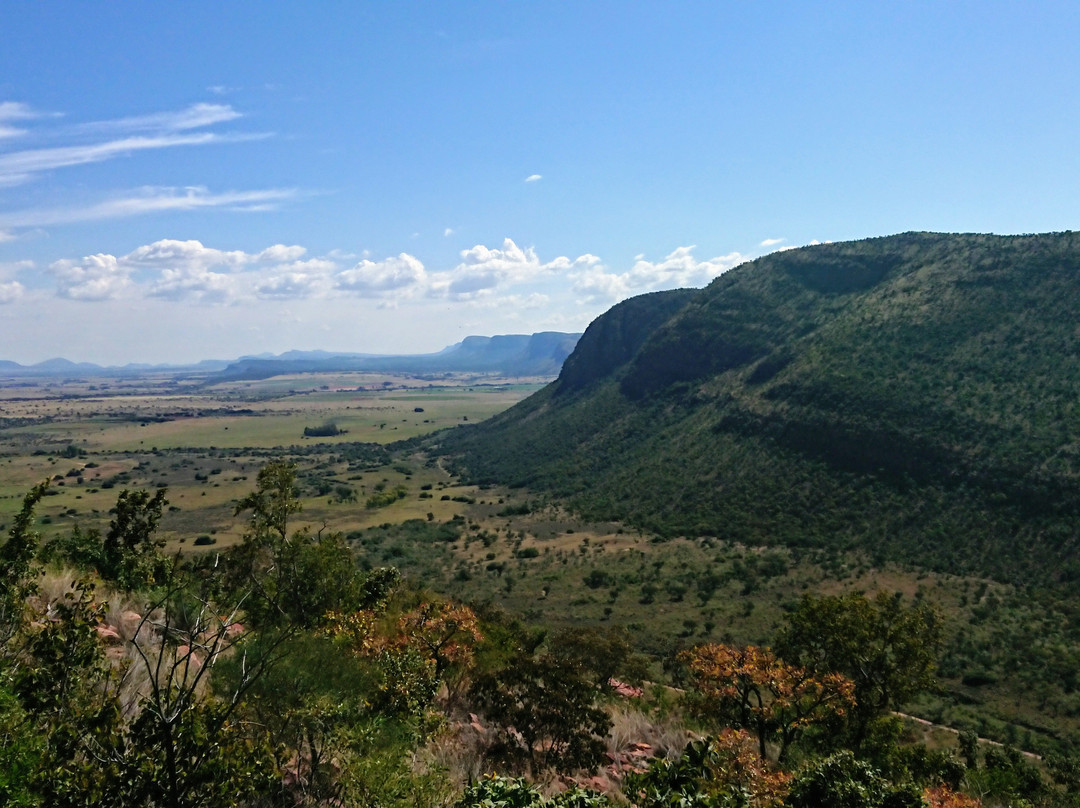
x: 540, y: 354
x: 913, y: 398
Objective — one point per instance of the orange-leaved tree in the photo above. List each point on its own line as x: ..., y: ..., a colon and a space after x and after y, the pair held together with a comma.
x: 945, y: 797
x: 417, y: 651
x: 443, y: 633
x: 751, y: 688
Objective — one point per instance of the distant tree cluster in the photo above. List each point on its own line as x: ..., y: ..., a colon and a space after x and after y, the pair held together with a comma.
x: 328, y: 429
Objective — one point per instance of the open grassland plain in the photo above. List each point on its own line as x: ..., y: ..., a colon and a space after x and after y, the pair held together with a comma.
x: 1009, y: 666
x: 205, y: 442
x: 164, y: 414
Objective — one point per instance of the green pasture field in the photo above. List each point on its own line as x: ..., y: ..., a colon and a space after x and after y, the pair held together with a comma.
x: 205, y: 443
x: 229, y: 416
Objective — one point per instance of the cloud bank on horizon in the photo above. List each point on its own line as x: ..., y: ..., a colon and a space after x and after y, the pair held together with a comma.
x: 190, y: 272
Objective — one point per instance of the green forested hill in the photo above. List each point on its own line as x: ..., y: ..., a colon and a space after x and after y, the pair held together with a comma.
x: 915, y: 396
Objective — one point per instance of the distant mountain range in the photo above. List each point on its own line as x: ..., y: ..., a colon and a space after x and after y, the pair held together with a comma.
x: 540, y: 354
x: 915, y: 397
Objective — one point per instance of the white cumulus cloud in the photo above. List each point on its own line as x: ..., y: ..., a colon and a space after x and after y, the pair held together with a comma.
x: 299, y: 279
x: 174, y: 269
x: 195, y: 283
x: 402, y: 274
x: 811, y: 243
x: 95, y: 277
x: 484, y: 269
x: 191, y: 253
x: 771, y: 242
x: 282, y: 253
x: 11, y: 291
x: 679, y: 269
x: 534, y: 178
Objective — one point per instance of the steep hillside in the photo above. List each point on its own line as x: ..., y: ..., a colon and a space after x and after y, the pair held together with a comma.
x: 916, y: 396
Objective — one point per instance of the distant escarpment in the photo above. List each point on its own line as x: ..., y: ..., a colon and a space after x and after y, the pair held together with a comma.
x: 916, y: 397
x: 540, y: 354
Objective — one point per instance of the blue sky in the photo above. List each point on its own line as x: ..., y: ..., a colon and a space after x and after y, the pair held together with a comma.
x: 194, y: 180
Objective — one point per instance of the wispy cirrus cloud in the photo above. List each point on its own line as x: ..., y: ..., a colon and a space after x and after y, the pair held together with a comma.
x: 772, y: 242
x: 20, y: 167
x: 534, y: 178
x: 16, y: 111
x: 151, y: 200
x: 195, y: 116
x: 103, y: 141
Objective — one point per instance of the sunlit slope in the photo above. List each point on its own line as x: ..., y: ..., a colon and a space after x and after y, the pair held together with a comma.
x: 917, y: 396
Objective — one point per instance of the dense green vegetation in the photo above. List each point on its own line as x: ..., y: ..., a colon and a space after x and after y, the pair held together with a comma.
x: 285, y: 672
x: 912, y: 397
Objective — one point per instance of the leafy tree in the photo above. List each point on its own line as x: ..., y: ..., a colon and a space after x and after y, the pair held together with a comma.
x: 724, y: 771
x: 443, y: 633
x: 843, y: 781
x: 544, y: 712
x: 344, y: 493
x: 751, y: 688
x: 602, y: 653
x: 17, y: 574
x: 82, y: 549
x: 415, y: 653
x: 314, y: 704
x: 65, y: 690
x: 272, y: 503
x: 945, y: 797
x: 1006, y: 778
x: 22, y: 753
x: 293, y: 579
x: 130, y: 552
x: 887, y: 649
x: 508, y: 792
x: 157, y: 728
